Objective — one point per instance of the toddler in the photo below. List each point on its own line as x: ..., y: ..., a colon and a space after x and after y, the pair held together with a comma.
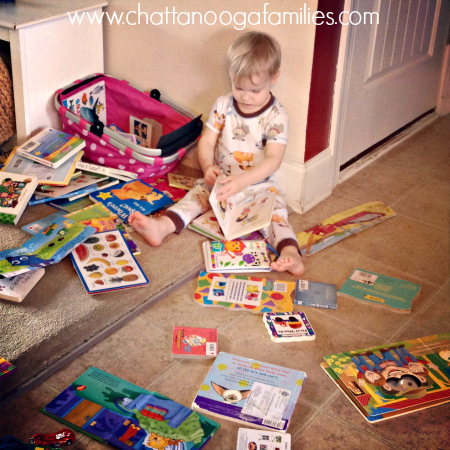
x: 245, y: 138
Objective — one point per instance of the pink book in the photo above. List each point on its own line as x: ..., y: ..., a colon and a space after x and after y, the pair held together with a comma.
x: 194, y: 342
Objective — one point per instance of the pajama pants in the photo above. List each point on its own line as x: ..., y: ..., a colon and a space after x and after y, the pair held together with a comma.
x: 279, y: 233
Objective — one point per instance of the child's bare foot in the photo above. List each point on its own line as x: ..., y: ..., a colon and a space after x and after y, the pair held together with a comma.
x: 290, y: 260
x: 153, y: 230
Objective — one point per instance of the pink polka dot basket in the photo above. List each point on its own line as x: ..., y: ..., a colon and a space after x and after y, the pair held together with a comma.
x: 113, y: 118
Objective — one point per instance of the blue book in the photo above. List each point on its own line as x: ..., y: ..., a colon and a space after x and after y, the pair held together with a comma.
x: 313, y: 293
x: 46, y: 224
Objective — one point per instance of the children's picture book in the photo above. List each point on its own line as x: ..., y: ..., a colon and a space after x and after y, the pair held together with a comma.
x: 36, y: 201
x: 51, y: 147
x: 6, y: 369
x: 181, y: 181
x: 236, y: 256
x: 162, y: 184
x: 235, y: 219
x: 126, y: 416
x: 250, y: 392
x: 382, y: 290
x: 389, y: 380
x: 193, y: 342
x: 126, y: 198
x: 60, y: 176
x: 65, y: 204
x: 314, y: 293
x: 15, y: 192
x: 289, y: 327
x: 45, y: 223
x: 147, y: 130
x: 44, y: 249
x: 123, y: 134
x: 123, y: 175
x: 244, y: 293
x: 249, y: 439
x: 17, y: 288
x: 342, y: 225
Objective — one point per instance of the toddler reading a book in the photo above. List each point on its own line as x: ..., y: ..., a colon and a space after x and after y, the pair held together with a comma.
x: 245, y: 138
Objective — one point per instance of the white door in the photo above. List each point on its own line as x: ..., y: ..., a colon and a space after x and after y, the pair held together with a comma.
x: 392, y: 71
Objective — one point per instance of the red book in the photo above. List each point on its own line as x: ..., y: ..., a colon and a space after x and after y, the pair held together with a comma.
x: 191, y: 342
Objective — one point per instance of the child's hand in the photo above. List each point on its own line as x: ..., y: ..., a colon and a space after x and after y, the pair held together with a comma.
x: 211, y: 174
x: 232, y: 185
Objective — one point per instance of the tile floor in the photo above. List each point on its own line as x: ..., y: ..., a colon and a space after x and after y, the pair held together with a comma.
x: 414, y: 180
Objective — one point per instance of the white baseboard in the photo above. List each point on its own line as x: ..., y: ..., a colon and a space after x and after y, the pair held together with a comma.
x: 443, y: 103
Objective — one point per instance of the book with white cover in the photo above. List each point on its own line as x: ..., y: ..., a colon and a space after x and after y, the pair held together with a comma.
x: 249, y: 439
x: 17, y: 288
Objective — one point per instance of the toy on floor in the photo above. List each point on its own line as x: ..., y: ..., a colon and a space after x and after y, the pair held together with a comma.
x: 54, y: 440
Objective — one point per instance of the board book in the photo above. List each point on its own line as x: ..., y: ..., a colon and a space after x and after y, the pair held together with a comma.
x: 250, y: 392
x: 236, y: 219
x: 244, y: 293
x: 192, y: 342
x: 249, y: 439
x: 289, y: 327
x: 65, y: 204
x: 124, y: 175
x: 314, y: 293
x: 6, y: 369
x: 51, y: 147
x: 15, y: 192
x: 181, y: 181
x: 104, y: 263
x: 17, y: 288
x: 379, y: 289
x: 126, y: 416
x: 162, y: 185
x: 394, y: 379
x: 236, y: 256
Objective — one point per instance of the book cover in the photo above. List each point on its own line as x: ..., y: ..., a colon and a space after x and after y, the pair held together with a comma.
x: 60, y: 176
x: 126, y: 416
x: 51, y: 147
x: 65, y: 204
x: 123, y: 175
x: 389, y: 380
x: 15, y: 192
x: 314, y: 293
x: 162, y: 185
x: 45, y: 223
x: 244, y: 293
x: 381, y: 290
x: 126, y: 198
x: 249, y: 439
x: 236, y: 256
x: 250, y: 392
x: 194, y: 342
x: 104, y: 263
x: 235, y: 219
x: 17, y: 288
x: 289, y: 327
x: 181, y: 181
x: 6, y: 369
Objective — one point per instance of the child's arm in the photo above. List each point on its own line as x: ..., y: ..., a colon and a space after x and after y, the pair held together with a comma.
x: 233, y: 184
x: 206, y: 146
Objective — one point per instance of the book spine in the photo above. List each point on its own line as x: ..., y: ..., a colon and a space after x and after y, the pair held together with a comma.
x: 316, y: 305
x: 34, y: 158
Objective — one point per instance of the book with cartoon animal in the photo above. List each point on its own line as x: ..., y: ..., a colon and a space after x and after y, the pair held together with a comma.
x: 314, y: 293
x: 288, y: 327
x: 381, y: 290
x: 194, y: 342
x: 236, y: 256
x: 236, y: 219
x: 17, y: 288
x: 249, y: 439
x: 6, y: 369
x: 126, y: 198
x: 244, y: 293
x: 126, y: 416
x: 389, y: 380
x: 250, y: 392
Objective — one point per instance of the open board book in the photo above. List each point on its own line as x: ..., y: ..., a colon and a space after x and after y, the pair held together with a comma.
x: 394, y: 379
x: 126, y: 416
x: 250, y: 392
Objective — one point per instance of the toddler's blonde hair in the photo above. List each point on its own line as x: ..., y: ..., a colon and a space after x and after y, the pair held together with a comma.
x: 252, y: 54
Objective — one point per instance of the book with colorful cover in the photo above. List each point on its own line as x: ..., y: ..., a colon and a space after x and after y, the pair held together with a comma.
x: 126, y: 416
x: 181, y: 181
x: 65, y: 204
x: 6, y: 369
x: 34, y: 200
x: 17, y: 288
x: 194, y: 342
x: 236, y: 256
x: 250, y: 392
x: 51, y: 147
x: 244, y: 293
x: 162, y: 184
x: 124, y: 175
x: 289, y: 327
x: 389, y: 380
x: 382, y: 290
x: 126, y: 198
x: 316, y: 294
x: 45, y: 223
x: 249, y: 439
x: 15, y: 192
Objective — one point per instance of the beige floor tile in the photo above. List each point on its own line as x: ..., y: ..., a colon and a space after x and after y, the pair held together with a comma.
x: 438, y: 131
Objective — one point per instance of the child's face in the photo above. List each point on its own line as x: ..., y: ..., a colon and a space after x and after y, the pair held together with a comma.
x: 253, y: 94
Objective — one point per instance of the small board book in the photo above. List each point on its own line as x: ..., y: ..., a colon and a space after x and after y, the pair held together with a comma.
x: 288, y: 327
x: 60, y: 176
x: 381, y: 290
x: 104, y: 263
x: 147, y: 130
x: 193, y: 342
x: 126, y: 198
x: 244, y: 293
x: 236, y: 219
x: 249, y: 439
x: 236, y: 256
x: 394, y: 379
x: 181, y: 181
x: 51, y: 147
x: 6, y: 369
x: 239, y: 389
x: 17, y: 288
x: 126, y: 416
x: 313, y: 293
x: 15, y: 192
